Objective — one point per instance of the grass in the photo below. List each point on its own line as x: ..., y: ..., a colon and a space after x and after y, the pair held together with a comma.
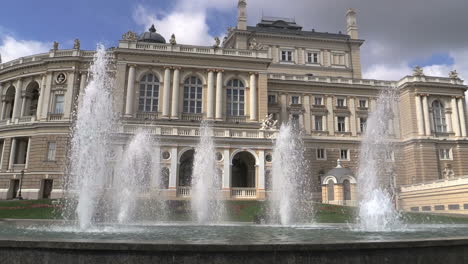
x: 240, y: 211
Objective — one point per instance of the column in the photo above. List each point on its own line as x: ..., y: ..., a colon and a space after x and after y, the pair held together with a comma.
x: 352, y: 121
x: 23, y: 104
x: 211, y: 96
x: 427, y: 122
x: 455, y: 118
x: 284, y: 108
x: 130, y: 91
x: 219, y: 95
x: 28, y: 148
x: 166, y: 92
x: 330, y: 119
x: 253, y: 97
x: 347, y: 124
x: 68, y: 103
x: 307, y: 124
x: 461, y: 113
x: 17, y: 106
x: 4, y: 104
x: 83, y: 78
x: 41, y: 96
x: 449, y: 122
x: 227, y: 170
x: 46, y: 93
x: 175, y: 93
x: 419, y: 115
x: 12, y: 153
x: 173, y: 172
x: 261, y: 170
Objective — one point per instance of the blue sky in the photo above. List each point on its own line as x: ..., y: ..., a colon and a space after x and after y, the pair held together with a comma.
x: 394, y: 42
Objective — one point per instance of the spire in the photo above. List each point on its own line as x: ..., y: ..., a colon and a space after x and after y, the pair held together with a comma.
x: 152, y: 29
x: 351, y: 24
x: 242, y: 15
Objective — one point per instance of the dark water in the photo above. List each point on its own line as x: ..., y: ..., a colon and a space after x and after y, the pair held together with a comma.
x: 225, y: 234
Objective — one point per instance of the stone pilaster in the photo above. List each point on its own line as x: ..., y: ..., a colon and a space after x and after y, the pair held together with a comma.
x: 211, y: 95
x: 219, y: 95
x: 130, y: 91
x: 166, y: 93
x: 253, y: 97
x: 175, y: 93
x: 17, y: 105
x: 461, y: 113
x: 455, y: 117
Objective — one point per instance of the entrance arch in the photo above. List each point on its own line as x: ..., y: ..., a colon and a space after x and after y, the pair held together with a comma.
x: 9, y: 102
x: 32, y: 99
x: 186, y: 168
x: 243, y: 171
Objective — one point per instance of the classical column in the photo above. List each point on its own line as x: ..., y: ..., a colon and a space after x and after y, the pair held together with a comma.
x: 28, y: 148
x: 419, y: 115
x: 461, y: 112
x: 211, y: 96
x: 449, y: 122
x: 4, y: 104
x: 261, y: 170
x: 219, y: 95
x: 41, y: 97
x: 455, y: 118
x: 284, y: 108
x: 173, y: 172
x: 352, y: 117
x: 130, y: 91
x: 175, y: 93
x: 46, y: 94
x: 253, y: 97
x: 23, y: 104
x: 18, y: 93
x: 12, y: 153
x: 330, y: 119
x: 307, y: 124
x: 166, y: 92
x: 427, y: 121
x: 83, y: 78
x: 227, y: 170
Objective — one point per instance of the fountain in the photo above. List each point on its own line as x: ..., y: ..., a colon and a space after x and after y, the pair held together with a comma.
x: 376, y: 168
x: 206, y: 185
x: 291, y: 195
x: 91, y: 143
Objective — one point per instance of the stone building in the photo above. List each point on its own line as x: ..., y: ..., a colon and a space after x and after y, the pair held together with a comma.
x: 276, y: 67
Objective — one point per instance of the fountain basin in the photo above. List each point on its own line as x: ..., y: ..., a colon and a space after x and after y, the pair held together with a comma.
x: 59, y: 242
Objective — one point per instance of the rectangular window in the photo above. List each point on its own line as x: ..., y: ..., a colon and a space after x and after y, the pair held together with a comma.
x: 59, y: 104
x: 344, y: 154
x: 318, y: 100
x: 454, y: 207
x: 286, y: 55
x: 271, y: 99
x: 363, y: 103
x: 341, y: 124
x: 51, y: 149
x: 362, y: 124
x: 445, y: 154
x: 414, y: 209
x: 465, y: 206
x: 318, y: 123
x: 426, y: 208
x: 313, y: 57
x: 439, y: 207
x: 321, y: 154
x: 340, y: 102
x: 294, y: 99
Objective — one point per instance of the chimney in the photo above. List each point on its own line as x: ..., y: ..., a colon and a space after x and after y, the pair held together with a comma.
x: 351, y: 24
x: 242, y: 15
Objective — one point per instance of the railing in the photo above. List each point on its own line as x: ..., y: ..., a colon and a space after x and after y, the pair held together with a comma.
x: 192, y: 117
x: 25, y: 119
x: 183, y: 191
x: 4, y: 122
x: 243, y: 193
x: 236, y: 119
x: 54, y: 117
x: 147, y: 116
x: 18, y: 167
x: 342, y: 80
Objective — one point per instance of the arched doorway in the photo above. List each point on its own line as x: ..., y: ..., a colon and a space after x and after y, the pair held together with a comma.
x: 243, y: 170
x: 32, y: 99
x: 186, y: 168
x: 9, y: 102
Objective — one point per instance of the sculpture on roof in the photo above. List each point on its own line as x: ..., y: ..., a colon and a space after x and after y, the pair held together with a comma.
x: 268, y: 122
x: 217, y: 43
x: 254, y: 45
x: 418, y: 71
x: 173, y: 40
x: 130, y: 36
x: 55, y: 46
x: 453, y: 74
x: 76, y: 44
x: 448, y: 173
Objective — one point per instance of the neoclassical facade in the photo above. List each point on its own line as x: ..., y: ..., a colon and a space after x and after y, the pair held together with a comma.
x: 274, y: 68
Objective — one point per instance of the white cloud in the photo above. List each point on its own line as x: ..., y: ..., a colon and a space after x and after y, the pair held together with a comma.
x: 12, y: 48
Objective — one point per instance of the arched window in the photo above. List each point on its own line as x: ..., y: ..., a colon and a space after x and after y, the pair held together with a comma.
x: 346, y: 190
x: 440, y: 123
x: 149, y: 93
x: 331, y: 190
x: 193, y: 95
x: 235, y: 98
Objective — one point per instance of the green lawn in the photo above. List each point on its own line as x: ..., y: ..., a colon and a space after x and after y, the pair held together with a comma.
x: 242, y: 211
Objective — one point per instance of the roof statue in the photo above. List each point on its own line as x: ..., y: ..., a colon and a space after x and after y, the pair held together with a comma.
x: 454, y: 75
x: 268, y: 122
x: 254, y: 45
x: 217, y: 43
x: 173, y: 40
x: 55, y: 46
x: 418, y: 71
x: 448, y: 173
x: 130, y: 36
x: 76, y: 44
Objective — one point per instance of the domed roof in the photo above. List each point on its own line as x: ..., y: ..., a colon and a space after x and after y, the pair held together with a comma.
x: 152, y: 36
x: 339, y: 173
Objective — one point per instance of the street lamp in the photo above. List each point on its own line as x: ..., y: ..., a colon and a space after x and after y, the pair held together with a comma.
x: 21, y: 185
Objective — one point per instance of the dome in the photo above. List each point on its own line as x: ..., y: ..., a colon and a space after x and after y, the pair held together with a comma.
x: 339, y: 174
x: 152, y: 36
